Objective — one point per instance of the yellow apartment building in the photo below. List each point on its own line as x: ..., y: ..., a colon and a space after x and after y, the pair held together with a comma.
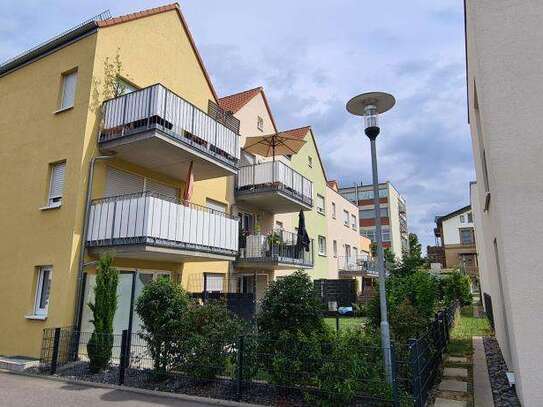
x: 138, y: 149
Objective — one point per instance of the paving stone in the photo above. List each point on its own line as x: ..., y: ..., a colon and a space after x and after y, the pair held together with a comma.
x: 453, y: 385
x: 455, y: 371
x: 449, y: 403
x: 456, y: 359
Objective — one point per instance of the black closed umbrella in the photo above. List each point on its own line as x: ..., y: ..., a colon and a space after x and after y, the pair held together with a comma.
x: 302, y: 240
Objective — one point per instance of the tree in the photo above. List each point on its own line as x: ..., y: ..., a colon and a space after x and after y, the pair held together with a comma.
x: 110, y: 86
x: 163, y: 307
x: 415, y: 248
x: 103, y: 311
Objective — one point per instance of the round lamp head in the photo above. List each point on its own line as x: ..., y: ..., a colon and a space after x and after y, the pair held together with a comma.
x: 370, y: 105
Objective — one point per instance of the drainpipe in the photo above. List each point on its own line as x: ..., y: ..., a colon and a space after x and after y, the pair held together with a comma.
x: 79, y: 287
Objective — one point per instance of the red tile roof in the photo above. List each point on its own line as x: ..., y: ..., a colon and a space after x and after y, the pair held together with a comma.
x: 232, y: 103
x: 158, y: 10
x: 333, y: 184
x: 296, y: 133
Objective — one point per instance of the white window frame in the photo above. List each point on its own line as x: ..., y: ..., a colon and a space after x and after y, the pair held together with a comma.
x: 54, y: 200
x: 320, y: 209
x: 346, y: 219
x: 322, y: 247
x: 63, y: 104
x: 462, y: 219
x: 38, y: 310
x: 353, y: 221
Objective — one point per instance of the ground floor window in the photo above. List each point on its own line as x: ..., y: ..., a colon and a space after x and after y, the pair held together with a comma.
x: 43, y: 288
x: 213, y: 283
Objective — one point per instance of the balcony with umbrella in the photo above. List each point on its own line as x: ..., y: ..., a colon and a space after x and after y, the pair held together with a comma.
x: 273, y: 185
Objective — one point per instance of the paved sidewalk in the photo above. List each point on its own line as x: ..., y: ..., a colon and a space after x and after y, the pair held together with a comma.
x: 481, y: 382
x: 24, y: 391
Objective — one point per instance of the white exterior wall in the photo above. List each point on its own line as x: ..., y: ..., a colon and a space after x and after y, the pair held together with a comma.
x: 505, y: 84
x: 452, y: 226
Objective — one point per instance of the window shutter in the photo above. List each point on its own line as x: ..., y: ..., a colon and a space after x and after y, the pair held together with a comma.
x: 162, y: 189
x: 122, y: 183
x: 215, y: 206
x: 68, y: 90
x: 56, y: 186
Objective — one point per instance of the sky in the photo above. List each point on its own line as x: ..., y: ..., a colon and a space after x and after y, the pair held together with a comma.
x: 311, y: 57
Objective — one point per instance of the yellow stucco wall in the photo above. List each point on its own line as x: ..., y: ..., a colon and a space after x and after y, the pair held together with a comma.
x: 152, y: 49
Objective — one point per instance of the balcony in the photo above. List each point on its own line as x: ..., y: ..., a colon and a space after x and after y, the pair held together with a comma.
x: 274, y: 187
x: 273, y: 251
x: 350, y: 266
x: 154, y: 227
x: 155, y: 128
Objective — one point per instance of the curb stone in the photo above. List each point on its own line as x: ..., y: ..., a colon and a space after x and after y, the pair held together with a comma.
x: 147, y: 392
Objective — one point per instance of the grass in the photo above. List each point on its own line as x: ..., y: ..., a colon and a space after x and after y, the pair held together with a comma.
x: 345, y: 322
x: 466, y: 327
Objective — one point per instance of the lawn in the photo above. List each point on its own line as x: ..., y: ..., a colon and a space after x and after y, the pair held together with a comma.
x: 466, y: 327
x: 345, y: 322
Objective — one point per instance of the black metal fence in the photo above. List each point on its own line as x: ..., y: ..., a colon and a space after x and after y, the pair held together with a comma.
x: 253, y: 369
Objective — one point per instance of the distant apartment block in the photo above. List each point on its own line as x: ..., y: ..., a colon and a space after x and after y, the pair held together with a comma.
x: 393, y: 214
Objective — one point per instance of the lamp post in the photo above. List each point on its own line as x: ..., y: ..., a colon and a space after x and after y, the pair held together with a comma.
x: 370, y: 105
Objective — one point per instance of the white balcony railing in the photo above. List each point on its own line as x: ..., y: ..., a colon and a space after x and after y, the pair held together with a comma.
x: 158, y: 107
x: 275, y: 175
x: 152, y: 219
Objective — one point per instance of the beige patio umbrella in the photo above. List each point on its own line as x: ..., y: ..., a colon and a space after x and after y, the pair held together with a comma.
x: 282, y: 143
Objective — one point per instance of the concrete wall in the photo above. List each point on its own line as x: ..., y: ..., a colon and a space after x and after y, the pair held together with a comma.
x: 505, y: 83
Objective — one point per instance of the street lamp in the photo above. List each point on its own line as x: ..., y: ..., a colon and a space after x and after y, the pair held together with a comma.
x: 370, y: 105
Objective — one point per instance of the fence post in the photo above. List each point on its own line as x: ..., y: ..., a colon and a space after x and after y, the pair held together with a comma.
x: 395, y: 395
x: 54, y: 356
x: 240, y: 368
x: 123, y: 356
x: 415, y: 372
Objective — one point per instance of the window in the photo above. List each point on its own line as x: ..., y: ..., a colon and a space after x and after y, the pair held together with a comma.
x: 466, y: 236
x: 213, y: 283
x: 347, y: 251
x: 462, y: 219
x: 386, y: 235
x: 346, y: 218
x: 310, y: 161
x: 67, y: 96
x: 259, y: 123
x: 333, y: 210
x: 355, y: 253
x: 123, y: 87
x: 470, y: 217
x: 353, y: 222
x: 370, y: 213
x: 279, y: 225
x: 320, y: 204
x: 56, y: 185
x: 370, y: 234
x: 334, y: 247
x: 215, y: 206
x: 43, y: 288
x: 322, y: 246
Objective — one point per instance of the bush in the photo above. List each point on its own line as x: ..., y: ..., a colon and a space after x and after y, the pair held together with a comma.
x: 354, y: 366
x: 415, y: 296
x: 103, y: 311
x: 212, y: 332
x: 456, y: 287
x: 290, y: 304
x: 163, y: 307
x: 291, y: 330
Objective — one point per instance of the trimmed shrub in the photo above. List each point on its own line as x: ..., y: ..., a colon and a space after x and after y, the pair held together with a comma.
x: 456, y: 287
x: 415, y: 296
x: 163, y: 306
x: 213, y: 329
x: 103, y: 311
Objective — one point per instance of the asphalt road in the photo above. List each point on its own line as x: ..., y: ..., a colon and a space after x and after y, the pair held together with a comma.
x: 23, y: 391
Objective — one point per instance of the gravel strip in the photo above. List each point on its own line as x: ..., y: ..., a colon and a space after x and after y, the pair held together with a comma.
x: 504, y: 395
